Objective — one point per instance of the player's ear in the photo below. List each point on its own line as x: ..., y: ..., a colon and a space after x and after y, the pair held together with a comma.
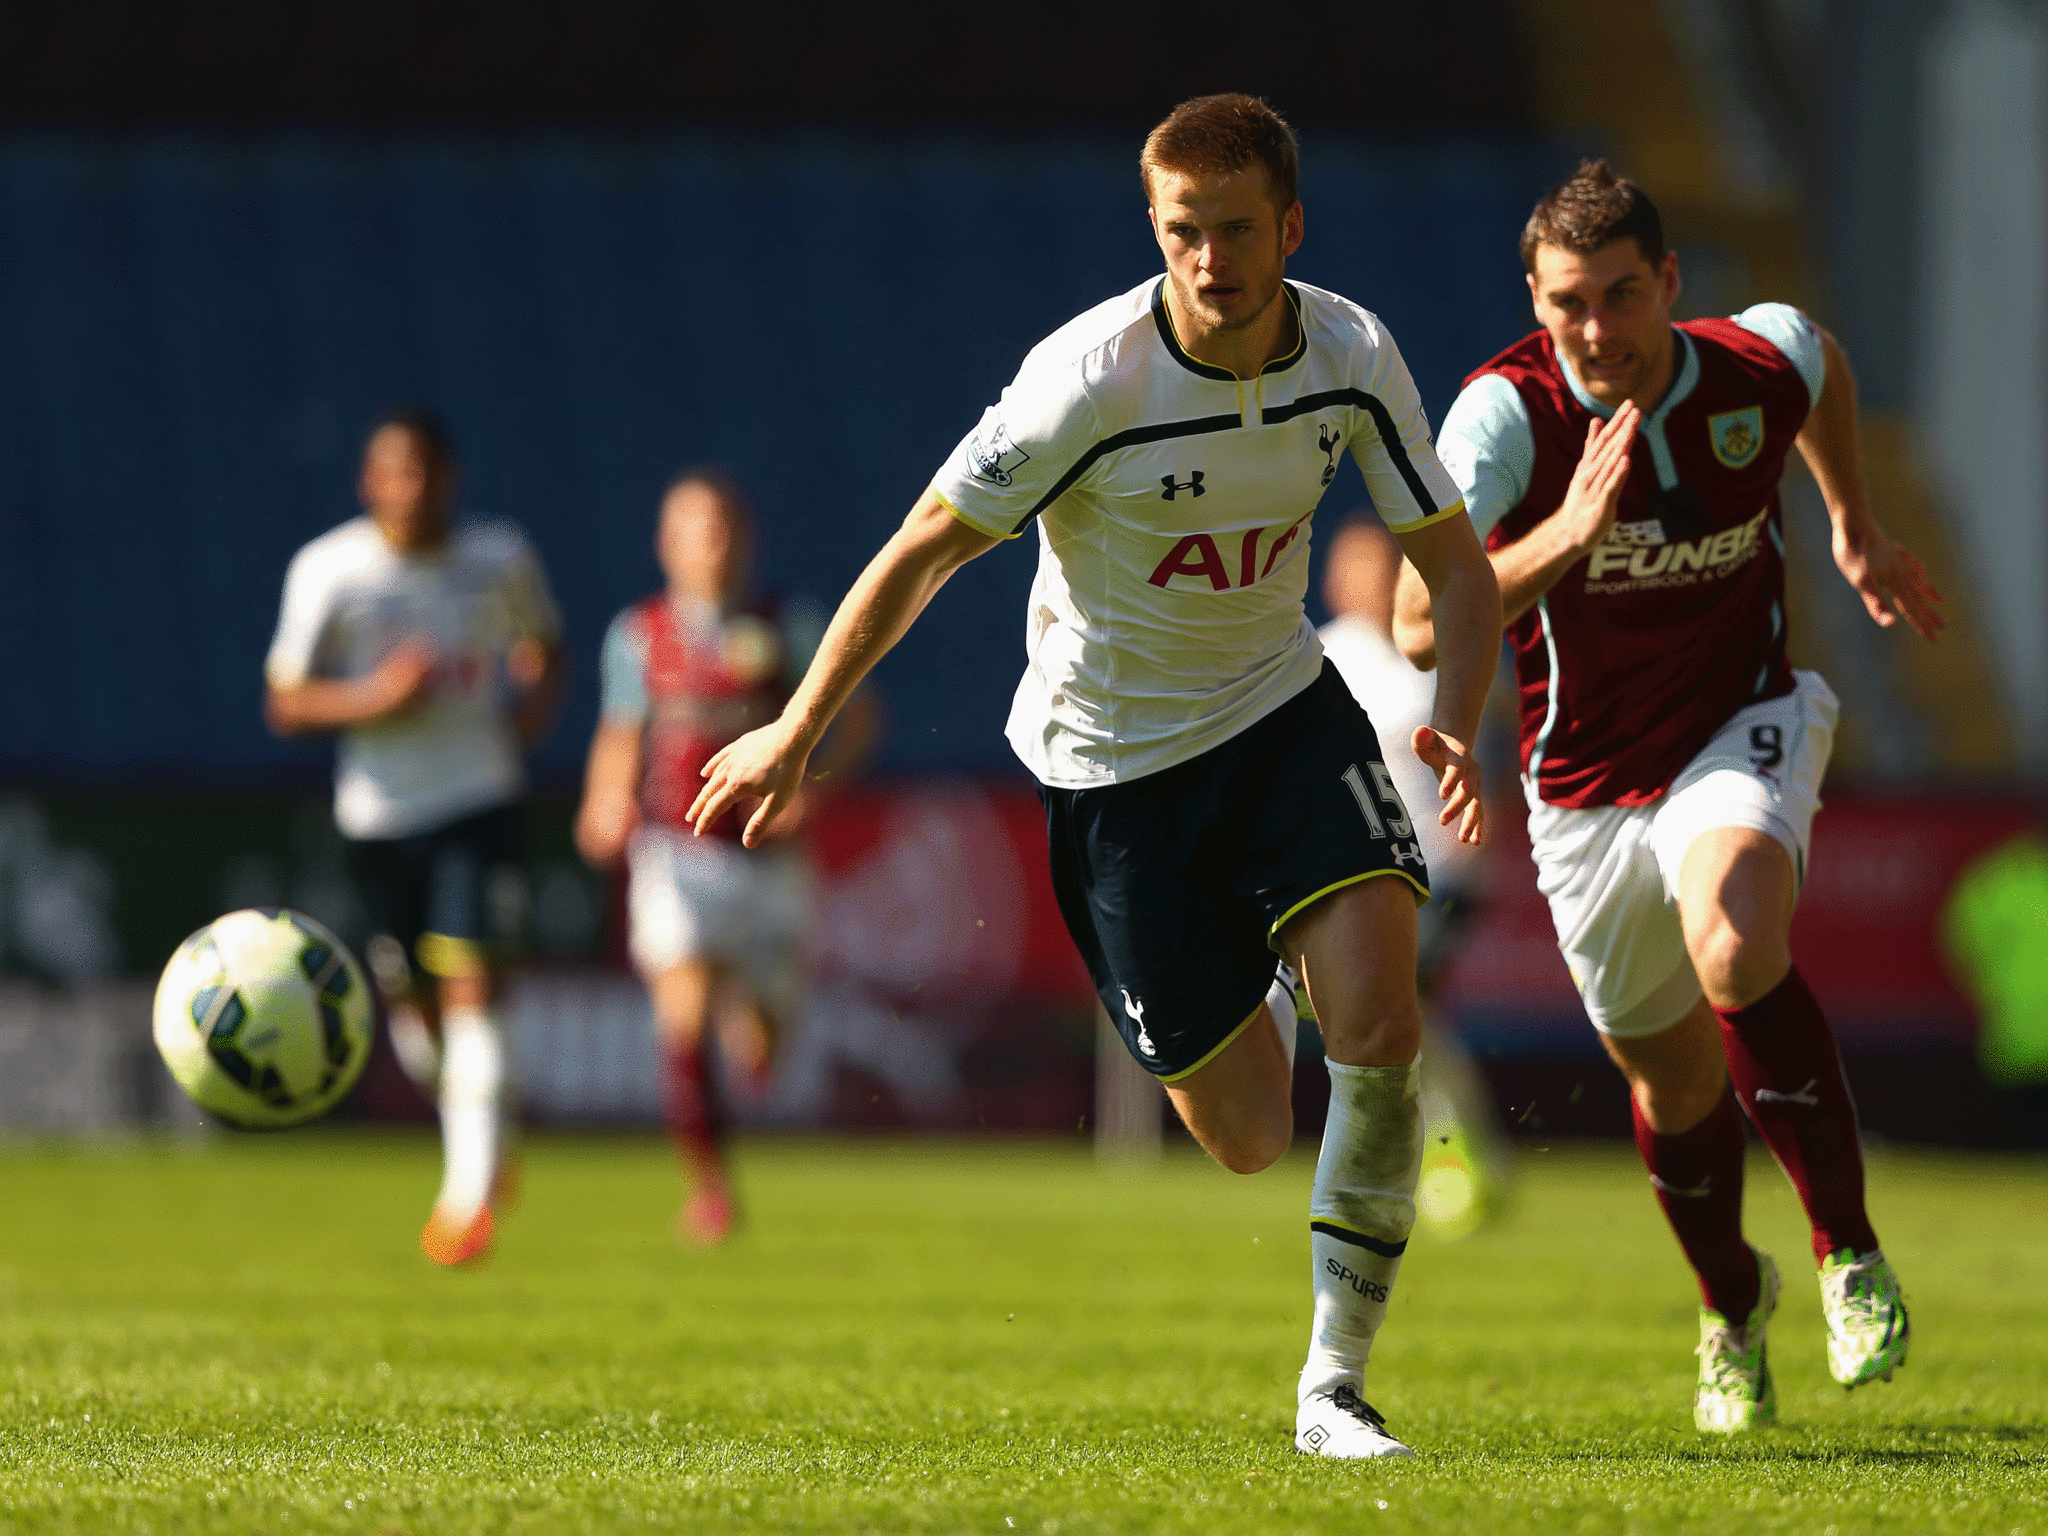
x: 1291, y: 230
x: 1668, y: 279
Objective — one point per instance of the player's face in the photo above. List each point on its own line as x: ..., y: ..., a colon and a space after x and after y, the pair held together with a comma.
x: 702, y: 544
x: 1226, y: 243
x: 1609, y: 314
x: 405, y: 488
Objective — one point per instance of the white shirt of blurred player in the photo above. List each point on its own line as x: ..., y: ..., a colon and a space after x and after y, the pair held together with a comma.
x: 350, y: 599
x: 1173, y: 503
x: 1397, y: 698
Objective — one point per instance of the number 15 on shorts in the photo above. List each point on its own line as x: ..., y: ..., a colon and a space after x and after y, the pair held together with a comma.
x: 1396, y: 819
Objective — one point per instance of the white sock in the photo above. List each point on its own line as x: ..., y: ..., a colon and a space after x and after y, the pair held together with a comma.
x: 1360, y: 1215
x: 419, y: 1055
x: 472, y: 1084
x: 1280, y: 1003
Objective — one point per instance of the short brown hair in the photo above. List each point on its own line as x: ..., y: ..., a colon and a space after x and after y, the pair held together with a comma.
x: 1590, y: 208
x: 1218, y: 135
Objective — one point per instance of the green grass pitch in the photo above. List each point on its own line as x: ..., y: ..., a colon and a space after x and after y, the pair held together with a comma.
x: 241, y: 1336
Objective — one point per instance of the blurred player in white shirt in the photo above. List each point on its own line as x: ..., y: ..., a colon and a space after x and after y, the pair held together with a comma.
x: 1465, y: 1159
x: 435, y: 651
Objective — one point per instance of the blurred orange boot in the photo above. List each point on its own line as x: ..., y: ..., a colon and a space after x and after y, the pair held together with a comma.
x: 452, y: 1240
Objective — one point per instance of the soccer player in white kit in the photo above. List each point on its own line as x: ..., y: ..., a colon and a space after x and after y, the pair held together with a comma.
x: 434, y: 649
x: 1215, y: 799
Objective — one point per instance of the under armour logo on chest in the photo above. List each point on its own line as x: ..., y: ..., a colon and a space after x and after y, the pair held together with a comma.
x: 1193, y: 484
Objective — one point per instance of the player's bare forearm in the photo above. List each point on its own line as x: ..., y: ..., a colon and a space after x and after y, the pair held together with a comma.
x: 768, y: 764
x: 1464, y: 598
x: 605, y: 818
x: 1891, y: 581
x: 315, y: 704
x: 324, y: 704
x: 884, y: 602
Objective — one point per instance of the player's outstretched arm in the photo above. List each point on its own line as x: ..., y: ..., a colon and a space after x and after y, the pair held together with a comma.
x: 1891, y: 582
x: 768, y: 764
x: 1533, y: 564
x: 1466, y: 600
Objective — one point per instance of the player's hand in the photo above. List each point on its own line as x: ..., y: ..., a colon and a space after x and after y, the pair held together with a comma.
x: 1594, y: 496
x: 403, y: 679
x: 1457, y: 779
x: 765, y: 765
x: 1891, y: 581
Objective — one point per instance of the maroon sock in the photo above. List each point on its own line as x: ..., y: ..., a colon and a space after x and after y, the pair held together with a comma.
x: 692, y: 1110
x: 1697, y: 1175
x: 1782, y: 1057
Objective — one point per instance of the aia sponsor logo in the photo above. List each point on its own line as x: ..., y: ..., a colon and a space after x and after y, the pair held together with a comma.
x: 1200, y: 557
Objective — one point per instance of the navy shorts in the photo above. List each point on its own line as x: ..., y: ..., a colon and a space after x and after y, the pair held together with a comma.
x: 1174, y: 886
x: 449, y: 895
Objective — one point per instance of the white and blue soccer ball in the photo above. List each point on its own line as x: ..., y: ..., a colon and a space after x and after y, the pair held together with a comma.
x: 264, y: 1018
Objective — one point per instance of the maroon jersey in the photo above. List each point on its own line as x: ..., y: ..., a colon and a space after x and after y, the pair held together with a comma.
x: 707, y: 682
x: 1644, y: 649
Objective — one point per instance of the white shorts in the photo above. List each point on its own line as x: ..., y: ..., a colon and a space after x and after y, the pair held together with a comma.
x: 1610, y: 872
x: 692, y: 898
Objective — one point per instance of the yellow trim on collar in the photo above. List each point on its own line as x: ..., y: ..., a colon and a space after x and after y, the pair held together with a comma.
x: 1421, y: 896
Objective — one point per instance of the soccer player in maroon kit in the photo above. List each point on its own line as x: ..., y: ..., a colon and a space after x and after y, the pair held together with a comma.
x: 1625, y: 473
x: 716, y: 929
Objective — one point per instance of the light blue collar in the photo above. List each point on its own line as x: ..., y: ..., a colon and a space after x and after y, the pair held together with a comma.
x: 1652, y: 427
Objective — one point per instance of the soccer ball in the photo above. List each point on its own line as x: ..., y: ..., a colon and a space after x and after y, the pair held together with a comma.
x: 264, y: 1018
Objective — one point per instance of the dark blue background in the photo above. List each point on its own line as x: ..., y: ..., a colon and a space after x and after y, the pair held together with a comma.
x: 194, y: 329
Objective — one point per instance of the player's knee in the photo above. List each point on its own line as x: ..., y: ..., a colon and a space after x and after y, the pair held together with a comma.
x: 1676, y: 1101
x: 1258, y: 1149
x: 1736, y: 968
x: 1385, y: 1032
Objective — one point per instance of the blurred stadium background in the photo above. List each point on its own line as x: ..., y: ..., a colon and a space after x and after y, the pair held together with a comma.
x: 617, y: 241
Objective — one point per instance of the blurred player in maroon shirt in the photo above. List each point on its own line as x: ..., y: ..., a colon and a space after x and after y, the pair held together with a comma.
x: 718, y: 930
x: 1625, y: 473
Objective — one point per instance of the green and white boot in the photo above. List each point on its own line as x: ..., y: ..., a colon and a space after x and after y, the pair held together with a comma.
x: 1867, y: 1327
x: 1735, y: 1391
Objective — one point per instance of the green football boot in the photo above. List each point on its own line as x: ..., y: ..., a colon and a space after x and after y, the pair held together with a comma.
x: 1867, y: 1327
x: 1735, y: 1391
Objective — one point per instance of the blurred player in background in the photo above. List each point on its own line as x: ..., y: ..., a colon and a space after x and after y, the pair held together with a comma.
x: 1465, y: 1158
x: 1216, y: 801
x: 718, y: 930
x: 435, y: 650
x: 1626, y: 472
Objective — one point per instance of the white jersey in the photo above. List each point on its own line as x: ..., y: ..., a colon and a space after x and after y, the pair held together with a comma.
x: 1173, y: 502
x: 350, y: 599
x: 1397, y: 698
